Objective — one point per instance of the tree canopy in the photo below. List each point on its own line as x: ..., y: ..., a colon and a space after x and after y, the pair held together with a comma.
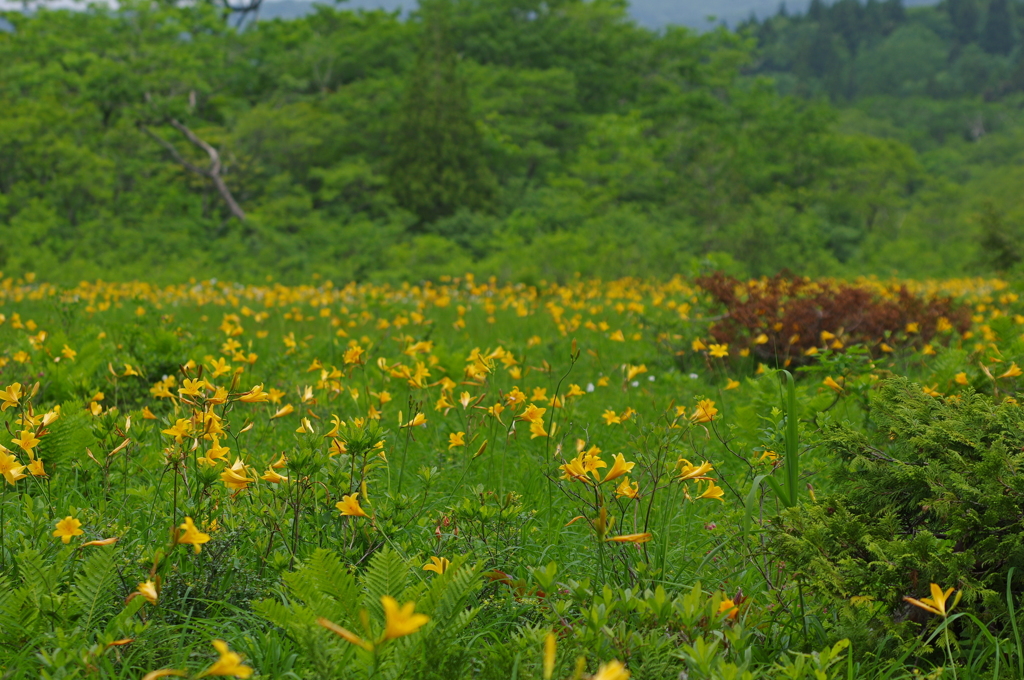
x: 517, y: 138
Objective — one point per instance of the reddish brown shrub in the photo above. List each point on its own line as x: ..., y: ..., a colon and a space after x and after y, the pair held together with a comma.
x: 793, y: 312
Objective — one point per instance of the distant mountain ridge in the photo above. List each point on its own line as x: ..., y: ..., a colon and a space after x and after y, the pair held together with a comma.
x: 650, y: 13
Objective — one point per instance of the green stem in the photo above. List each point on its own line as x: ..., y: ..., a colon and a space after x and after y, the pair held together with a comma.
x: 949, y: 653
x: 3, y: 543
x: 405, y: 457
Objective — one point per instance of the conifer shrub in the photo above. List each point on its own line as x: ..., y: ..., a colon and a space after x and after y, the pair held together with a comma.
x: 791, y: 313
x: 932, y: 493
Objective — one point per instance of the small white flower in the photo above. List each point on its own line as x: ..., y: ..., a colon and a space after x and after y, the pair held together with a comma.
x: 635, y: 383
x: 650, y: 378
x: 694, y: 376
x: 590, y: 387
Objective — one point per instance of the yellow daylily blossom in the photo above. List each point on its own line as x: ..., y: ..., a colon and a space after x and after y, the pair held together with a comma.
x: 631, y: 538
x: 68, y: 528
x: 100, y: 542
x: 349, y: 506
x: 229, y: 663
x: 713, y: 491
x: 164, y: 673
x: 830, y: 383
x: 191, y: 388
x: 234, y: 477
x: 612, y: 670
x: 417, y: 420
x: 550, y: 647
x: 437, y: 564
x: 27, y: 441
x: 182, y: 428
x: 690, y: 471
x: 345, y: 634
x: 255, y: 396
x: 273, y: 477
x: 401, y: 621
x: 719, y: 351
x: 36, y: 468
x: 189, y: 534
x: 705, y: 412
x: 1013, y: 371
x: 285, y: 410
x: 9, y: 467
x: 619, y: 467
x: 149, y: 590
x: 936, y: 604
x: 634, y: 371
x: 456, y: 439
x: 627, y: 489
x: 11, y: 396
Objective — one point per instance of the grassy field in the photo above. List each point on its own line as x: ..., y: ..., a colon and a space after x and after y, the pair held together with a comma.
x: 470, y: 479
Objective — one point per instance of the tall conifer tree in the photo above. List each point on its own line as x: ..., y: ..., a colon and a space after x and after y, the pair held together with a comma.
x: 964, y: 15
x: 437, y: 161
x: 997, y: 36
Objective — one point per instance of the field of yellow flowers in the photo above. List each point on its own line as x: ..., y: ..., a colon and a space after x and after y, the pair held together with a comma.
x: 464, y: 479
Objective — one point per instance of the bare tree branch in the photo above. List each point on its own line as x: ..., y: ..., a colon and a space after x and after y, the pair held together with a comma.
x: 212, y: 173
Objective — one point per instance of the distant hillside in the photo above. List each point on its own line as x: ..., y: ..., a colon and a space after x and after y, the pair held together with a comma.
x: 651, y: 13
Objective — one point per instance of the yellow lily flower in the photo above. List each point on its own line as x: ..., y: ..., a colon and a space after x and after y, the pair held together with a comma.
x: 613, y: 670
x: 627, y: 489
x: 936, y: 604
x: 234, y: 477
x: 149, y: 590
x: 438, y: 565
x: 705, y: 412
x: 345, y: 634
x: 255, y: 395
x: 9, y: 467
x: 713, y: 491
x: 67, y: 528
x: 690, y: 471
x: 631, y: 538
x: 400, y: 621
x: 619, y: 467
x: 349, y: 506
x: 189, y: 534
x: 229, y: 663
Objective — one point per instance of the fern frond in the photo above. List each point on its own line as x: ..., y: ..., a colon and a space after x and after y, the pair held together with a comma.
x: 387, y: 575
x: 91, y: 594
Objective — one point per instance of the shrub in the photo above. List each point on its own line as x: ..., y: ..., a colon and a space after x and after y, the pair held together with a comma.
x: 793, y: 312
x: 932, y: 494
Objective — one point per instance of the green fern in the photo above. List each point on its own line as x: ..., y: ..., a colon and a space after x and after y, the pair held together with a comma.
x: 324, y: 587
x: 68, y: 436
x: 387, y: 575
x: 91, y: 592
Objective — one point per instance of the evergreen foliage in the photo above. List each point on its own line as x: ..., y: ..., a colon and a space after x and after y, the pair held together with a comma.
x: 517, y: 138
x: 932, y: 493
x: 437, y: 164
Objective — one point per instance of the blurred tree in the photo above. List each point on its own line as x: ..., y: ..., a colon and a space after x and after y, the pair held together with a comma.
x: 964, y: 15
x: 437, y: 163
x: 997, y: 35
x: 1000, y: 247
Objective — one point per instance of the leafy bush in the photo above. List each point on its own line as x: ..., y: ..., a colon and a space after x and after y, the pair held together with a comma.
x: 792, y: 313
x: 932, y: 494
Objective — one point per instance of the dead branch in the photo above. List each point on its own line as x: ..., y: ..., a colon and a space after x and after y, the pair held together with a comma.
x: 213, y: 173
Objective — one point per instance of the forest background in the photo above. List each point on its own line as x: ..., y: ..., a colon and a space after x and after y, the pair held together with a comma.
x: 523, y: 139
